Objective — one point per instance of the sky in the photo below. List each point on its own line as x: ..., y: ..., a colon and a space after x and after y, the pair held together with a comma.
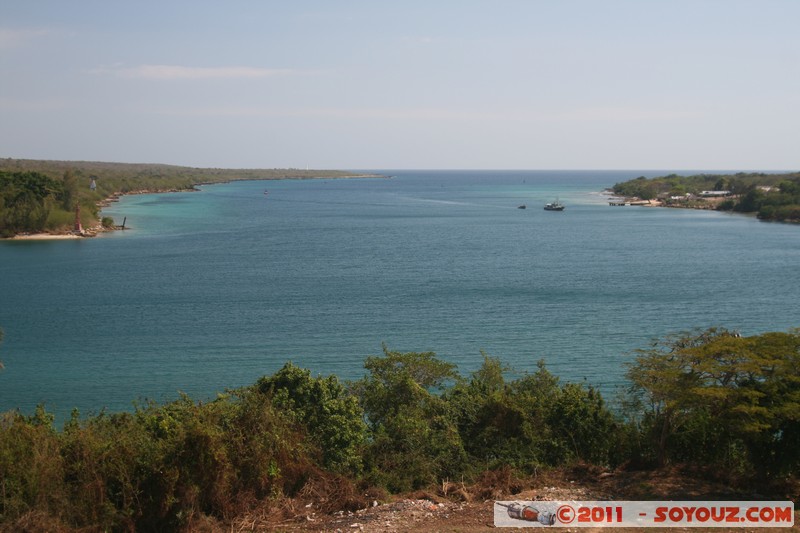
x: 432, y: 84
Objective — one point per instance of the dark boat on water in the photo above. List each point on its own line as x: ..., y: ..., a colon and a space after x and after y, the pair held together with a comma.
x: 554, y: 206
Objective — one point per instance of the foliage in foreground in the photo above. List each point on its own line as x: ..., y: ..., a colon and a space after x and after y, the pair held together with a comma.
x: 708, y: 398
x: 152, y: 469
x: 717, y: 398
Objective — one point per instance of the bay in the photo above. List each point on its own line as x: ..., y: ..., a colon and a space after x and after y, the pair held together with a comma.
x: 213, y: 289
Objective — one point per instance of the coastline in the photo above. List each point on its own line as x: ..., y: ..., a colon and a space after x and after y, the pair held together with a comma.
x: 709, y: 205
x: 770, y: 197
x: 114, y: 197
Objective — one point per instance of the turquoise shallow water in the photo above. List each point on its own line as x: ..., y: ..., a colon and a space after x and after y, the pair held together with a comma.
x: 214, y: 289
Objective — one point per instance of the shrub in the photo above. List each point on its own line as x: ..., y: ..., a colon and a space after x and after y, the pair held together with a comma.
x: 715, y: 397
x: 31, y: 467
x: 58, y: 219
x: 415, y: 441
x: 532, y: 421
x: 154, y: 469
x: 332, y: 416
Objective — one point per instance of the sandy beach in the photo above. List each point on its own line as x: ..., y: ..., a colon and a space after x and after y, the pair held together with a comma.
x: 45, y: 237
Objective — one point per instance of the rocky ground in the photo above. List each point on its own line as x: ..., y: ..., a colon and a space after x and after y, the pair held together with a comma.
x: 457, y: 508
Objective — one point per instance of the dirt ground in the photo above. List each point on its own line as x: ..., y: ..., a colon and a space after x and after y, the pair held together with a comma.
x: 457, y: 508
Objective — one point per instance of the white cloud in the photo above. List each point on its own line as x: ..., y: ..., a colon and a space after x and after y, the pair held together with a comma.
x: 177, y: 72
x: 600, y: 114
x: 625, y: 114
x: 335, y: 113
x: 12, y: 37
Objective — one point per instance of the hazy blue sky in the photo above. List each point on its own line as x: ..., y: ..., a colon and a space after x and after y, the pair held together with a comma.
x: 560, y: 84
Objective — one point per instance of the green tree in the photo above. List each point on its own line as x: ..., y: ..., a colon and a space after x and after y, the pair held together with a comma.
x: 662, y: 379
x: 532, y: 421
x: 331, y: 415
x: 568, y: 421
x: 70, y: 195
x: 582, y: 425
x: 717, y: 396
x: 414, y: 440
x: 751, y: 201
x: 26, y: 199
x: 398, y: 379
x: 678, y: 190
x: 791, y: 187
x: 495, y: 428
x: 775, y: 378
x: 31, y: 467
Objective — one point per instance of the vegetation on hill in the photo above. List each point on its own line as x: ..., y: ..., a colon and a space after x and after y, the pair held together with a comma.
x: 771, y: 196
x: 38, y: 196
x: 29, y: 201
x: 712, y: 399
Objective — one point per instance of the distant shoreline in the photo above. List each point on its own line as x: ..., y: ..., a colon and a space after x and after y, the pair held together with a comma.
x: 114, y: 197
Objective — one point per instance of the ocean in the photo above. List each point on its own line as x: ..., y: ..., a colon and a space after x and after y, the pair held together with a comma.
x: 210, y: 290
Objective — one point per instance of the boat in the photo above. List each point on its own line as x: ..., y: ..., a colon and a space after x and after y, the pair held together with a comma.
x: 554, y: 206
x: 521, y: 206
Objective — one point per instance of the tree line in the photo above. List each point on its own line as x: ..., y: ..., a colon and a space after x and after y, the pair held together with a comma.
x: 771, y: 196
x: 712, y: 399
x: 781, y: 203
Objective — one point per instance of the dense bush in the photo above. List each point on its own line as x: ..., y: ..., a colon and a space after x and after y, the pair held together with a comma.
x: 26, y: 200
x: 531, y: 422
x: 153, y: 469
x: 714, y: 397
x: 414, y: 440
x: 34, y: 202
x: 324, y: 409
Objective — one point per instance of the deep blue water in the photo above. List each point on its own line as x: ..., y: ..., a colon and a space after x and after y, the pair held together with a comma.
x: 214, y: 289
